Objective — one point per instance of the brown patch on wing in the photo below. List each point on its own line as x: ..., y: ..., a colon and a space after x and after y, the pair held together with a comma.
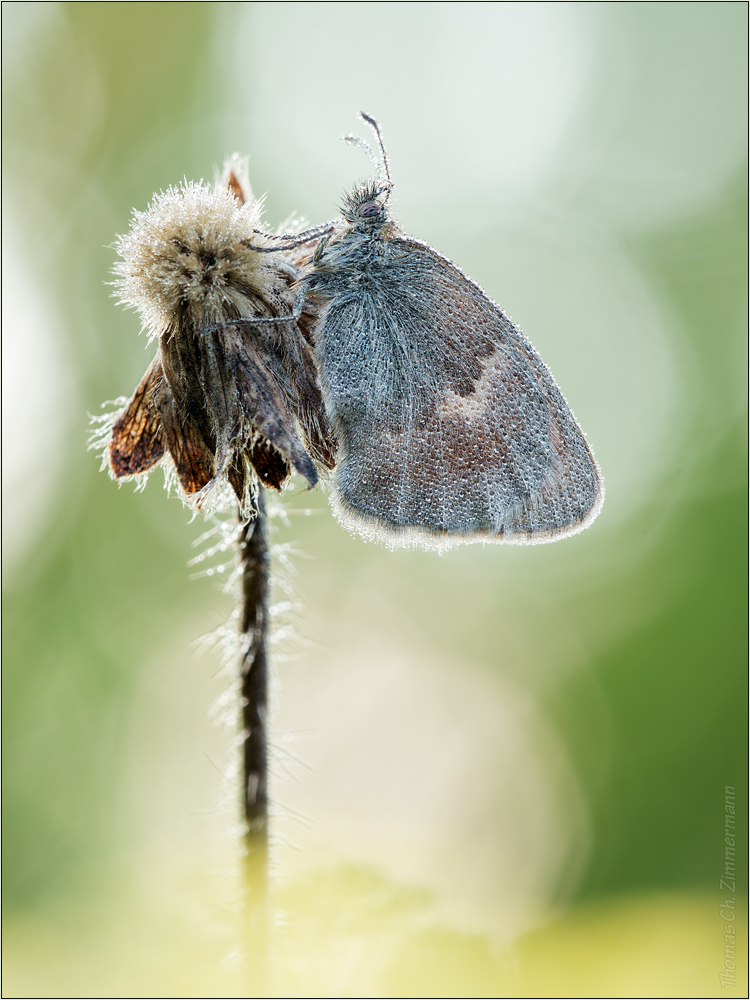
x: 474, y: 405
x: 137, y: 443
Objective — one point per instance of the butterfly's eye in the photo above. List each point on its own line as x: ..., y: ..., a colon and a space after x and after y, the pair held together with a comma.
x: 369, y: 209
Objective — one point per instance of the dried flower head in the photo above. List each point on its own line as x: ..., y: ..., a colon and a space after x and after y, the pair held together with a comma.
x: 237, y: 403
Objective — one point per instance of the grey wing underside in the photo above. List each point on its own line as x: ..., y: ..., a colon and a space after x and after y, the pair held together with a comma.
x: 481, y: 448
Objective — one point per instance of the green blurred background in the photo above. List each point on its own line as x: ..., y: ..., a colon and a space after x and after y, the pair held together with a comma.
x: 500, y: 772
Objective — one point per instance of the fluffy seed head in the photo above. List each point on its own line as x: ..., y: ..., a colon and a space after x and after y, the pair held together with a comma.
x: 187, y: 256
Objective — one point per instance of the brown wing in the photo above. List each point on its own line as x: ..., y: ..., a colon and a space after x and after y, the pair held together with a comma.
x: 451, y: 427
x: 137, y: 442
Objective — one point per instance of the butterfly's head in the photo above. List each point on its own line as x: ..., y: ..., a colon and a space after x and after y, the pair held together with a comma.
x: 367, y: 205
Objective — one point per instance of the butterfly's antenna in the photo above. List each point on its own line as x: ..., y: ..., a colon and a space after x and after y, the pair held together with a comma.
x: 381, y: 165
x: 355, y: 140
x: 376, y: 129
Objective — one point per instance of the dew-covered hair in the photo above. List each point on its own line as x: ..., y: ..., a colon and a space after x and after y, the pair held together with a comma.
x: 367, y: 204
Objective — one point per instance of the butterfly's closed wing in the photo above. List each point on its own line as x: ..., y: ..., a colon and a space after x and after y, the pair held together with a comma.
x: 449, y: 423
x: 450, y: 428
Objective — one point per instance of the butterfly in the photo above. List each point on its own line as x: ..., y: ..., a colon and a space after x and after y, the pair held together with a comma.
x: 449, y: 427
x: 374, y: 356
x: 222, y: 401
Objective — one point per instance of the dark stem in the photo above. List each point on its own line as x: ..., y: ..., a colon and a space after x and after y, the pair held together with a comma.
x: 253, y: 548
x: 254, y: 563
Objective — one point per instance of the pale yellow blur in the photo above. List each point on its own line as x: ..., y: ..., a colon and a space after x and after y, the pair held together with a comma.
x: 348, y: 932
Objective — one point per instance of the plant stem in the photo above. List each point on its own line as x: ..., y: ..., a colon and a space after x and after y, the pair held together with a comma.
x: 254, y: 560
x: 254, y: 563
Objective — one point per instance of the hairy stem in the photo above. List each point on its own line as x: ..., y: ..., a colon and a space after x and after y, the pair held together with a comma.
x: 254, y: 563
x: 253, y: 548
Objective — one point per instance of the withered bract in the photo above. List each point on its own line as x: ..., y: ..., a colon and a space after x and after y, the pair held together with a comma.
x: 222, y: 401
